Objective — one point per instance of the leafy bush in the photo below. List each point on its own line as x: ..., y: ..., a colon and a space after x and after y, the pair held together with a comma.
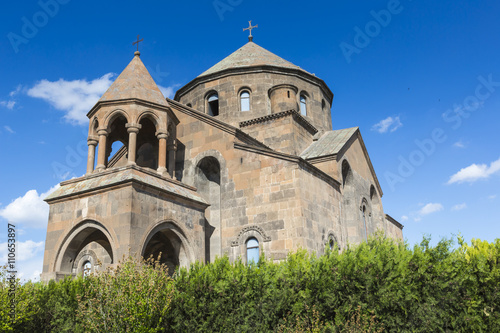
x: 380, y: 285
x: 133, y: 297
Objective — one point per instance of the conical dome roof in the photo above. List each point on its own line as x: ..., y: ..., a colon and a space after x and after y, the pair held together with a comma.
x: 134, y: 82
x: 249, y: 55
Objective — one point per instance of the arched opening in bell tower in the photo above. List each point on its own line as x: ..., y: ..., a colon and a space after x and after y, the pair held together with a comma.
x: 147, y: 145
x: 117, y: 142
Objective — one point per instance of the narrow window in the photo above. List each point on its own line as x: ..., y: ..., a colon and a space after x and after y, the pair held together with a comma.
x: 245, y: 101
x: 331, y: 243
x: 87, y: 268
x: 252, y: 250
x: 213, y: 104
x: 364, y: 222
x: 303, y: 105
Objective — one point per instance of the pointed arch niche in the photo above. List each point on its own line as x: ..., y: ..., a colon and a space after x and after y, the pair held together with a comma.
x: 208, y: 183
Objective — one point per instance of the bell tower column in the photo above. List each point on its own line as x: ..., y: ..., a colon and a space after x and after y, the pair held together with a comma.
x: 162, y: 152
x: 92, y: 142
x: 172, y: 148
x: 132, y: 130
x: 101, y: 155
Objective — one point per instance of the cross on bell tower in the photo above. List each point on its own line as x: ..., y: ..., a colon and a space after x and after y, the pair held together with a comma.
x: 250, y: 27
x: 137, y: 42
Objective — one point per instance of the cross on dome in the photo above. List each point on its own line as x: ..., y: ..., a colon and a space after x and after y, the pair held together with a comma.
x: 250, y: 27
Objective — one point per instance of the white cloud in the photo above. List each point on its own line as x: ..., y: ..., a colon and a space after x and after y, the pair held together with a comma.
x: 29, y: 210
x: 459, y: 144
x: 493, y: 196
x: 11, y: 102
x: 459, y: 207
x: 168, y: 91
x: 75, y: 98
x: 29, y: 259
x: 8, y: 104
x: 426, y: 210
x: 16, y: 91
x: 430, y: 208
x: 8, y: 129
x: 24, y: 250
x: 475, y: 172
x: 404, y: 218
x: 388, y: 124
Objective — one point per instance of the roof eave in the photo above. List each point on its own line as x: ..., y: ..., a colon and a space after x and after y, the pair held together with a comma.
x: 249, y: 69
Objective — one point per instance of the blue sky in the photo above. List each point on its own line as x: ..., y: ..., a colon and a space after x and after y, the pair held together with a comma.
x: 420, y: 78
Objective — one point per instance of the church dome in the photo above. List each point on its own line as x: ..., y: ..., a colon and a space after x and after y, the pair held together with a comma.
x: 253, y: 82
x: 249, y: 55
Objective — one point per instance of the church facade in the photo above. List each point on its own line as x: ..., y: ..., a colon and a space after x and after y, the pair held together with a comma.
x: 242, y: 162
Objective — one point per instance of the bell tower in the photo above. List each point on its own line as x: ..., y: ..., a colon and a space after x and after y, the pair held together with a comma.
x: 128, y: 202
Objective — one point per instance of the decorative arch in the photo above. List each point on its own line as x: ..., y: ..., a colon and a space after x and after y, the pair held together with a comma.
x: 169, y: 238
x: 243, y: 88
x: 331, y: 240
x: 84, y: 233
x: 212, y: 103
x: 83, y: 257
x: 366, y: 214
x: 94, y: 126
x: 249, y: 232
x: 111, y: 116
x: 154, y: 119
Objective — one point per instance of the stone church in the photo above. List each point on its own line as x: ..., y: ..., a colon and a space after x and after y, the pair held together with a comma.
x: 242, y: 162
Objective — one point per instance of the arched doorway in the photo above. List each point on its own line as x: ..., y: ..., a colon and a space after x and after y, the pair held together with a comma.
x: 167, y: 244
x: 87, y: 249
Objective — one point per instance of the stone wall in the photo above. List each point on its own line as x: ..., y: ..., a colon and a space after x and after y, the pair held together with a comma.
x: 120, y: 219
x: 286, y: 132
x: 283, y: 202
x: 258, y: 84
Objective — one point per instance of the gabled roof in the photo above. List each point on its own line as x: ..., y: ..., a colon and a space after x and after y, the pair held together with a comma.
x: 134, y: 82
x: 250, y: 55
x: 330, y: 143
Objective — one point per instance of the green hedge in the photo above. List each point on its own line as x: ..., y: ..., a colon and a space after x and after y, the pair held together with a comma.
x: 377, y: 286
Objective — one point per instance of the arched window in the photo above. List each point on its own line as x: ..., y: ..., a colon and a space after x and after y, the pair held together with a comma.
x: 252, y: 250
x: 245, y: 100
x: 331, y: 243
x: 87, y: 268
x: 364, y: 221
x: 303, y: 105
x: 213, y: 104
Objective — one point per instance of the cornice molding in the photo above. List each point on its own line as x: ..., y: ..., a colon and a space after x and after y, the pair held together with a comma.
x: 296, y: 116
